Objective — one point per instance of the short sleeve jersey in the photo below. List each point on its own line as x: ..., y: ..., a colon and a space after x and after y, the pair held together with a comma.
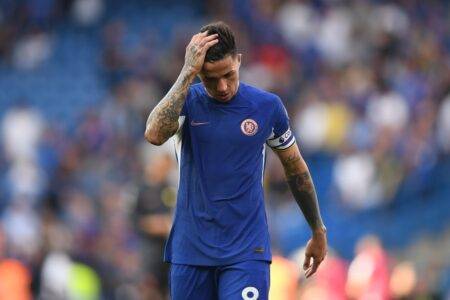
x: 220, y: 216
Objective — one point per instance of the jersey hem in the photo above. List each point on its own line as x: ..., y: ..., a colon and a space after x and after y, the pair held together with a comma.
x: 225, y: 263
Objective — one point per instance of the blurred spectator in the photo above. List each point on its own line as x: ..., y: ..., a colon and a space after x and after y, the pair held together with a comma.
x: 335, y: 36
x: 403, y: 281
x: 87, y: 12
x: 356, y: 180
x: 114, y: 59
x: 258, y: 73
x: 329, y: 281
x: 16, y: 279
x: 153, y: 219
x: 84, y: 282
x: 298, y: 23
x: 389, y: 18
x: 26, y: 180
x: 55, y: 276
x: 32, y: 50
x: 22, y: 229
x: 388, y: 110
x: 368, y: 274
x: 22, y: 129
x: 311, y: 123
x: 443, y: 125
x: 332, y: 277
x: 80, y: 216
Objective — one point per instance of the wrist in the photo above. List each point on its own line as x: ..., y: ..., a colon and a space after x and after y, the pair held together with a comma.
x: 319, y: 230
x: 189, y: 72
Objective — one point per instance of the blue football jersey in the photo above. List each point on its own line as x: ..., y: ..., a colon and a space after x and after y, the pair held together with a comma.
x: 220, y: 217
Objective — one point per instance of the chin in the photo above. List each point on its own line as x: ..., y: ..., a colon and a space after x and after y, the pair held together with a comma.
x: 223, y: 99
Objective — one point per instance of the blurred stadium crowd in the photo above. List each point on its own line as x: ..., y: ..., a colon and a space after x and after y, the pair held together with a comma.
x: 85, y: 203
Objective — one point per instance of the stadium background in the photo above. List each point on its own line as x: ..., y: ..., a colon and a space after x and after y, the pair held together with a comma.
x: 367, y: 87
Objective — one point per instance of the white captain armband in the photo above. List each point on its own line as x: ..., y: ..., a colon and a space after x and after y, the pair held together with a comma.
x: 281, y: 142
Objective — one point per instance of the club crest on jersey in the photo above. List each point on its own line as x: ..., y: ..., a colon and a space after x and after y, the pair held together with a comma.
x: 249, y: 127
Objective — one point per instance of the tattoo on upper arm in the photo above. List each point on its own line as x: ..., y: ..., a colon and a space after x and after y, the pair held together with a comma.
x: 165, y: 115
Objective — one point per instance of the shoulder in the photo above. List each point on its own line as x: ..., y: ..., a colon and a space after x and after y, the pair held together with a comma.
x: 267, y: 101
x: 262, y: 97
x: 196, y: 90
x: 253, y: 91
x: 195, y: 93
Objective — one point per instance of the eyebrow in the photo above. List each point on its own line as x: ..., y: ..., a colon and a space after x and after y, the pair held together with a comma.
x: 213, y: 77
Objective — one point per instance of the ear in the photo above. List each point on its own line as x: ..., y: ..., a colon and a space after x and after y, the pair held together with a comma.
x: 239, y: 58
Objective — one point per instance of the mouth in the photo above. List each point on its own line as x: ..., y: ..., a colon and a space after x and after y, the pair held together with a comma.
x: 223, y: 96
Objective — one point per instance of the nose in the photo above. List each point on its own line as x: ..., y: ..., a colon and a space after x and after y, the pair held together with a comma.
x: 222, y: 85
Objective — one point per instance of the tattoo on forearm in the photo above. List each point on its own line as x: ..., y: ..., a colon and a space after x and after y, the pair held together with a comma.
x: 302, y: 188
x: 290, y: 164
x: 164, y: 117
x: 304, y: 193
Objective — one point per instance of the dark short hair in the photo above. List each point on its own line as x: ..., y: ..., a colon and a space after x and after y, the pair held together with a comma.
x: 225, y: 46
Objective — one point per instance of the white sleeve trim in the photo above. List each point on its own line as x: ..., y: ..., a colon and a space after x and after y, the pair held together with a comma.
x: 180, y: 123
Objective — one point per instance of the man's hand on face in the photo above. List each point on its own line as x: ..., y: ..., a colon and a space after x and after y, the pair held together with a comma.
x: 316, y: 249
x: 196, y: 51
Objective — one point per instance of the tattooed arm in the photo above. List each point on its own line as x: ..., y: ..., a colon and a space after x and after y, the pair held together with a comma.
x: 302, y: 188
x: 162, y: 122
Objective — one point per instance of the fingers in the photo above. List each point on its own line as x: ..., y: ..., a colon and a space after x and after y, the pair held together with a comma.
x: 202, y: 42
x: 313, y: 268
x: 205, y: 40
x: 203, y: 35
x: 210, y: 37
x: 307, y: 262
x: 199, y: 36
x: 196, y: 49
x: 210, y: 43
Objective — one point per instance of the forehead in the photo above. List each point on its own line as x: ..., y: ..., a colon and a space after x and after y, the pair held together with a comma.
x: 220, y: 67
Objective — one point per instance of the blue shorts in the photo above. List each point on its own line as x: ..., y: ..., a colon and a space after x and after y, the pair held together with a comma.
x: 248, y: 280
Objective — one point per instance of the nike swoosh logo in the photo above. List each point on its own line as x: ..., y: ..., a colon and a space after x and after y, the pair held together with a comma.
x: 193, y: 123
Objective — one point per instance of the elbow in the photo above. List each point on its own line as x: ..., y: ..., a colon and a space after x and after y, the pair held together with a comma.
x: 152, y: 137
